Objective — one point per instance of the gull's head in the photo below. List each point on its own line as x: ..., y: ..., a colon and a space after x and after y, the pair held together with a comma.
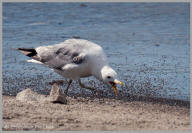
x: 109, y: 76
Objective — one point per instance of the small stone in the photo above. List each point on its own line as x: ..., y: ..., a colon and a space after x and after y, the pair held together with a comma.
x: 61, y: 124
x: 83, y: 5
x: 56, y: 95
x: 157, y: 45
x: 76, y: 37
x: 27, y: 95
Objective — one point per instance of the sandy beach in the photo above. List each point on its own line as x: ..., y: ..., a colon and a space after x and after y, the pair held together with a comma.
x: 92, y: 113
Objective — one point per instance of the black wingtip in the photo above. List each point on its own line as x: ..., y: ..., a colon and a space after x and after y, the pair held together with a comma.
x: 25, y: 49
x: 28, y: 51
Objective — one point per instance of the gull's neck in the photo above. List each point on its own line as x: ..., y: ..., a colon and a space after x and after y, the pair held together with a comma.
x: 98, y: 72
x: 98, y: 63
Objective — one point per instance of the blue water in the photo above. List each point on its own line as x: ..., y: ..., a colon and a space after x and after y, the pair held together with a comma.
x: 146, y: 43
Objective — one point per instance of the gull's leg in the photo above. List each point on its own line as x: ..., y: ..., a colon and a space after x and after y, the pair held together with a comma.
x: 69, y: 83
x: 60, y: 82
x: 86, y: 87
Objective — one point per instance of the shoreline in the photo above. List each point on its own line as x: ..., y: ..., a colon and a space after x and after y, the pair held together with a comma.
x: 93, y: 113
x: 168, y: 101
x: 129, y: 98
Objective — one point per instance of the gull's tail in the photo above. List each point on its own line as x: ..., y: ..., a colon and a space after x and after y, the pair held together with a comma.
x: 30, y: 52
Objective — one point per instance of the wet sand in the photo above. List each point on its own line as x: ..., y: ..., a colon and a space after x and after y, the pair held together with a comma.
x: 91, y: 113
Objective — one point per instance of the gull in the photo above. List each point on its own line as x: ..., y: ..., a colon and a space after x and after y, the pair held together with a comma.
x: 75, y: 59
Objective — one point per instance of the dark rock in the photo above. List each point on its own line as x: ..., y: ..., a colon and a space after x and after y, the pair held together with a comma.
x: 76, y: 37
x: 83, y: 5
x: 56, y: 95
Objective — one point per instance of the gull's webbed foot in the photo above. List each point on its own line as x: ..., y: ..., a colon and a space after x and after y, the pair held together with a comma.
x: 94, y: 91
x: 87, y: 87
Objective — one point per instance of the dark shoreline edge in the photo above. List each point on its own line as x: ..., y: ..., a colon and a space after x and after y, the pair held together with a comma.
x: 132, y: 98
x: 167, y: 101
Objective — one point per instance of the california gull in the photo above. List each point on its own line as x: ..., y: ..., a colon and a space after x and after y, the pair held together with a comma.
x: 75, y: 59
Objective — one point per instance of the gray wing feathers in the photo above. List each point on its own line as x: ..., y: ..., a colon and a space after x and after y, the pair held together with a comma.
x: 59, y: 57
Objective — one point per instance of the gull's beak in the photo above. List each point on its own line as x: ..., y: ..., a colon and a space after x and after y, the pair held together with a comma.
x: 118, y: 82
x: 114, y: 85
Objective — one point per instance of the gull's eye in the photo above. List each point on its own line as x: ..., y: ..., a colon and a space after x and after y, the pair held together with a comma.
x: 108, y: 77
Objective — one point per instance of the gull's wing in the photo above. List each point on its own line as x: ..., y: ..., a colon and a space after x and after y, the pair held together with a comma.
x: 55, y: 56
x: 62, y: 57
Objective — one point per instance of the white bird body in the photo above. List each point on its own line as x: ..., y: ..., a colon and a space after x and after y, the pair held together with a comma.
x: 73, y: 59
x: 93, y: 53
